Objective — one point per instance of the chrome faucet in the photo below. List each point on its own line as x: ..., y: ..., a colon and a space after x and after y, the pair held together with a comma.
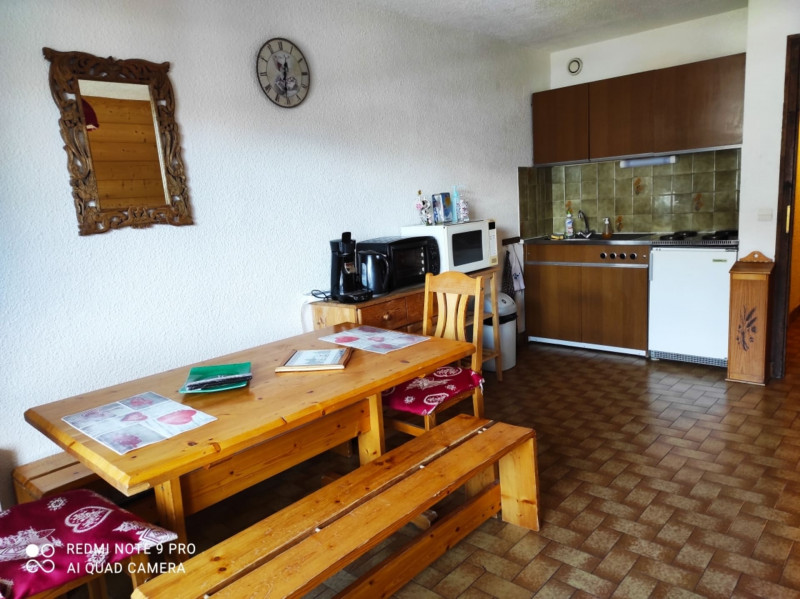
x: 586, y: 232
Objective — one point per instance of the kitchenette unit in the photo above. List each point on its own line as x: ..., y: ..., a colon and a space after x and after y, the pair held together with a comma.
x: 655, y: 152
x: 656, y: 295
x: 588, y: 293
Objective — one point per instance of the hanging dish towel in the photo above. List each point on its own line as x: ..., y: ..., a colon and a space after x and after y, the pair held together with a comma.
x: 516, y: 272
x: 507, y: 285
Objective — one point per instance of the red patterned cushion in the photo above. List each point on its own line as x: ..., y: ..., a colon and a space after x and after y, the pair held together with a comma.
x: 423, y: 394
x: 46, y: 543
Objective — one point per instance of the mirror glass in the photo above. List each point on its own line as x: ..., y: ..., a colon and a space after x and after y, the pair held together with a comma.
x: 126, y: 153
x: 123, y: 152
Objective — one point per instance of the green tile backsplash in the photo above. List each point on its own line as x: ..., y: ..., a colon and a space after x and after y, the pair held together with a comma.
x: 700, y: 192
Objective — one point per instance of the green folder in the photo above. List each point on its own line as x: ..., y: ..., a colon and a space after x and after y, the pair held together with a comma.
x: 209, y: 379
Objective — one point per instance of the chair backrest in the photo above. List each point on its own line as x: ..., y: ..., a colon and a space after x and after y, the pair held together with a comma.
x: 457, y: 301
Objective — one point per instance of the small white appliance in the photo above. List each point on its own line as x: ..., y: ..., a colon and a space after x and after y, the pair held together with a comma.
x: 689, y: 304
x: 465, y: 247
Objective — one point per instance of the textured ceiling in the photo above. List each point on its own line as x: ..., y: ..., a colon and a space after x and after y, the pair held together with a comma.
x: 556, y: 24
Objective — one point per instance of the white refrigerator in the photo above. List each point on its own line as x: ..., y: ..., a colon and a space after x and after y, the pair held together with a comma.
x: 689, y: 303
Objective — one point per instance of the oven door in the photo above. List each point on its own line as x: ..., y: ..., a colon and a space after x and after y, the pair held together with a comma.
x: 407, y: 264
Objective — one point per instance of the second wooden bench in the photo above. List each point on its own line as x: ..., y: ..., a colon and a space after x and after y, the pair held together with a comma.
x: 294, y: 550
x: 62, y: 472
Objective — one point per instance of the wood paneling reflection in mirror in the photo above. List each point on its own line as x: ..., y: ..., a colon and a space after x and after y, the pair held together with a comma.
x: 122, y: 143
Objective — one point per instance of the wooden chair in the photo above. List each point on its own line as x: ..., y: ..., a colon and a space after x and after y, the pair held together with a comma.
x: 458, y: 299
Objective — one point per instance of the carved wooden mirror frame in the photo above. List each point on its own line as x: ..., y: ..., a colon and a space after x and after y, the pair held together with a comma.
x: 67, y: 69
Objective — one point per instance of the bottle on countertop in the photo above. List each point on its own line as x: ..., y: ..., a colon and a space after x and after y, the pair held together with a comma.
x: 463, y: 210
x: 607, y: 232
x: 569, y: 226
x: 456, y: 203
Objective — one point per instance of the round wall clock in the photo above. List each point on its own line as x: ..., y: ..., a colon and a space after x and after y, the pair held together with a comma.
x: 283, y: 72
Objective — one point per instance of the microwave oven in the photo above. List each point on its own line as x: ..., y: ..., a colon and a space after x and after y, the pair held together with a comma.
x: 465, y: 247
x: 389, y: 263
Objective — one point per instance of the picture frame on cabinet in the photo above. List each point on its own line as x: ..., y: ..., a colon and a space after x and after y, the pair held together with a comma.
x: 442, y: 208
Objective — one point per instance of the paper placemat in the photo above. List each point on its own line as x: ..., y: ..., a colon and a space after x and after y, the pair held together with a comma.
x: 381, y: 341
x: 137, y: 421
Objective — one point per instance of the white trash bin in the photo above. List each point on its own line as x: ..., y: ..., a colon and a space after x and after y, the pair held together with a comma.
x: 507, y: 314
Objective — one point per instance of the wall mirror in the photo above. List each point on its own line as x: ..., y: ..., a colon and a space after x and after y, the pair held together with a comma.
x: 122, y: 142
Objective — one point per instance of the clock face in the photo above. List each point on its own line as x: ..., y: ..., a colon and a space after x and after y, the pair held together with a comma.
x: 283, y: 72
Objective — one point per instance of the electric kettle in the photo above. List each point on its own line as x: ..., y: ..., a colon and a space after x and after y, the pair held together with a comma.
x: 374, y: 269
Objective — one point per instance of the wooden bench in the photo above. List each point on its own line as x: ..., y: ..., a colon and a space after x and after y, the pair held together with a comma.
x: 294, y: 550
x: 61, y: 472
x: 50, y: 476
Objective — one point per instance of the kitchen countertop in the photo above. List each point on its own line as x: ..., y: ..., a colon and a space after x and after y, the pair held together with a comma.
x: 632, y: 239
x: 596, y: 239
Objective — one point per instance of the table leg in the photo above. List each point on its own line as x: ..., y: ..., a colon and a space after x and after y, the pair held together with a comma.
x: 169, y: 503
x: 372, y: 444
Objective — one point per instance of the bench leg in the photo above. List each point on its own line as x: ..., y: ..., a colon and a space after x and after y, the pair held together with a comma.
x: 97, y: 588
x: 519, y: 485
x: 133, y: 564
x: 372, y: 444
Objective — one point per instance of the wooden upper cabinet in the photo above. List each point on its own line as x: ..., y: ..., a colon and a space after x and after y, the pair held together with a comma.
x: 561, y: 125
x: 684, y: 108
x: 621, y: 116
x: 699, y: 105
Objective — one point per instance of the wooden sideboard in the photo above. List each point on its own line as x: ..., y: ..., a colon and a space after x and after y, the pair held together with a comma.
x: 402, y: 310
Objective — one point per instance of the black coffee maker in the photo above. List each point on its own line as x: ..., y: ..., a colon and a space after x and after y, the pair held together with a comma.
x: 345, y: 281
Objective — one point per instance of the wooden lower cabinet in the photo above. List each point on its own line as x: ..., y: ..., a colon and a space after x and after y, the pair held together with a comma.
x: 403, y: 310
x: 614, y: 307
x: 553, y: 301
x: 578, y: 293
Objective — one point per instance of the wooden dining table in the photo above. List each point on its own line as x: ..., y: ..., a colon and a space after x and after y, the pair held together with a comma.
x: 275, y: 422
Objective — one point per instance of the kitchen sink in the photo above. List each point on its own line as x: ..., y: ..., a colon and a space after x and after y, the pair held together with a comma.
x: 624, y: 236
x: 614, y: 237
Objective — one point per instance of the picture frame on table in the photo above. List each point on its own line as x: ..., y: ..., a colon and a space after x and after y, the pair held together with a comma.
x: 306, y: 360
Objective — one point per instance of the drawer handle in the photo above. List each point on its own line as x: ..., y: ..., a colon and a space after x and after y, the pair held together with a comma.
x: 387, y: 316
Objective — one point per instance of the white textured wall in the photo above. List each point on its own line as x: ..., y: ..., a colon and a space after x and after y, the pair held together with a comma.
x: 394, y: 107
x: 769, y: 24
x: 700, y: 39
